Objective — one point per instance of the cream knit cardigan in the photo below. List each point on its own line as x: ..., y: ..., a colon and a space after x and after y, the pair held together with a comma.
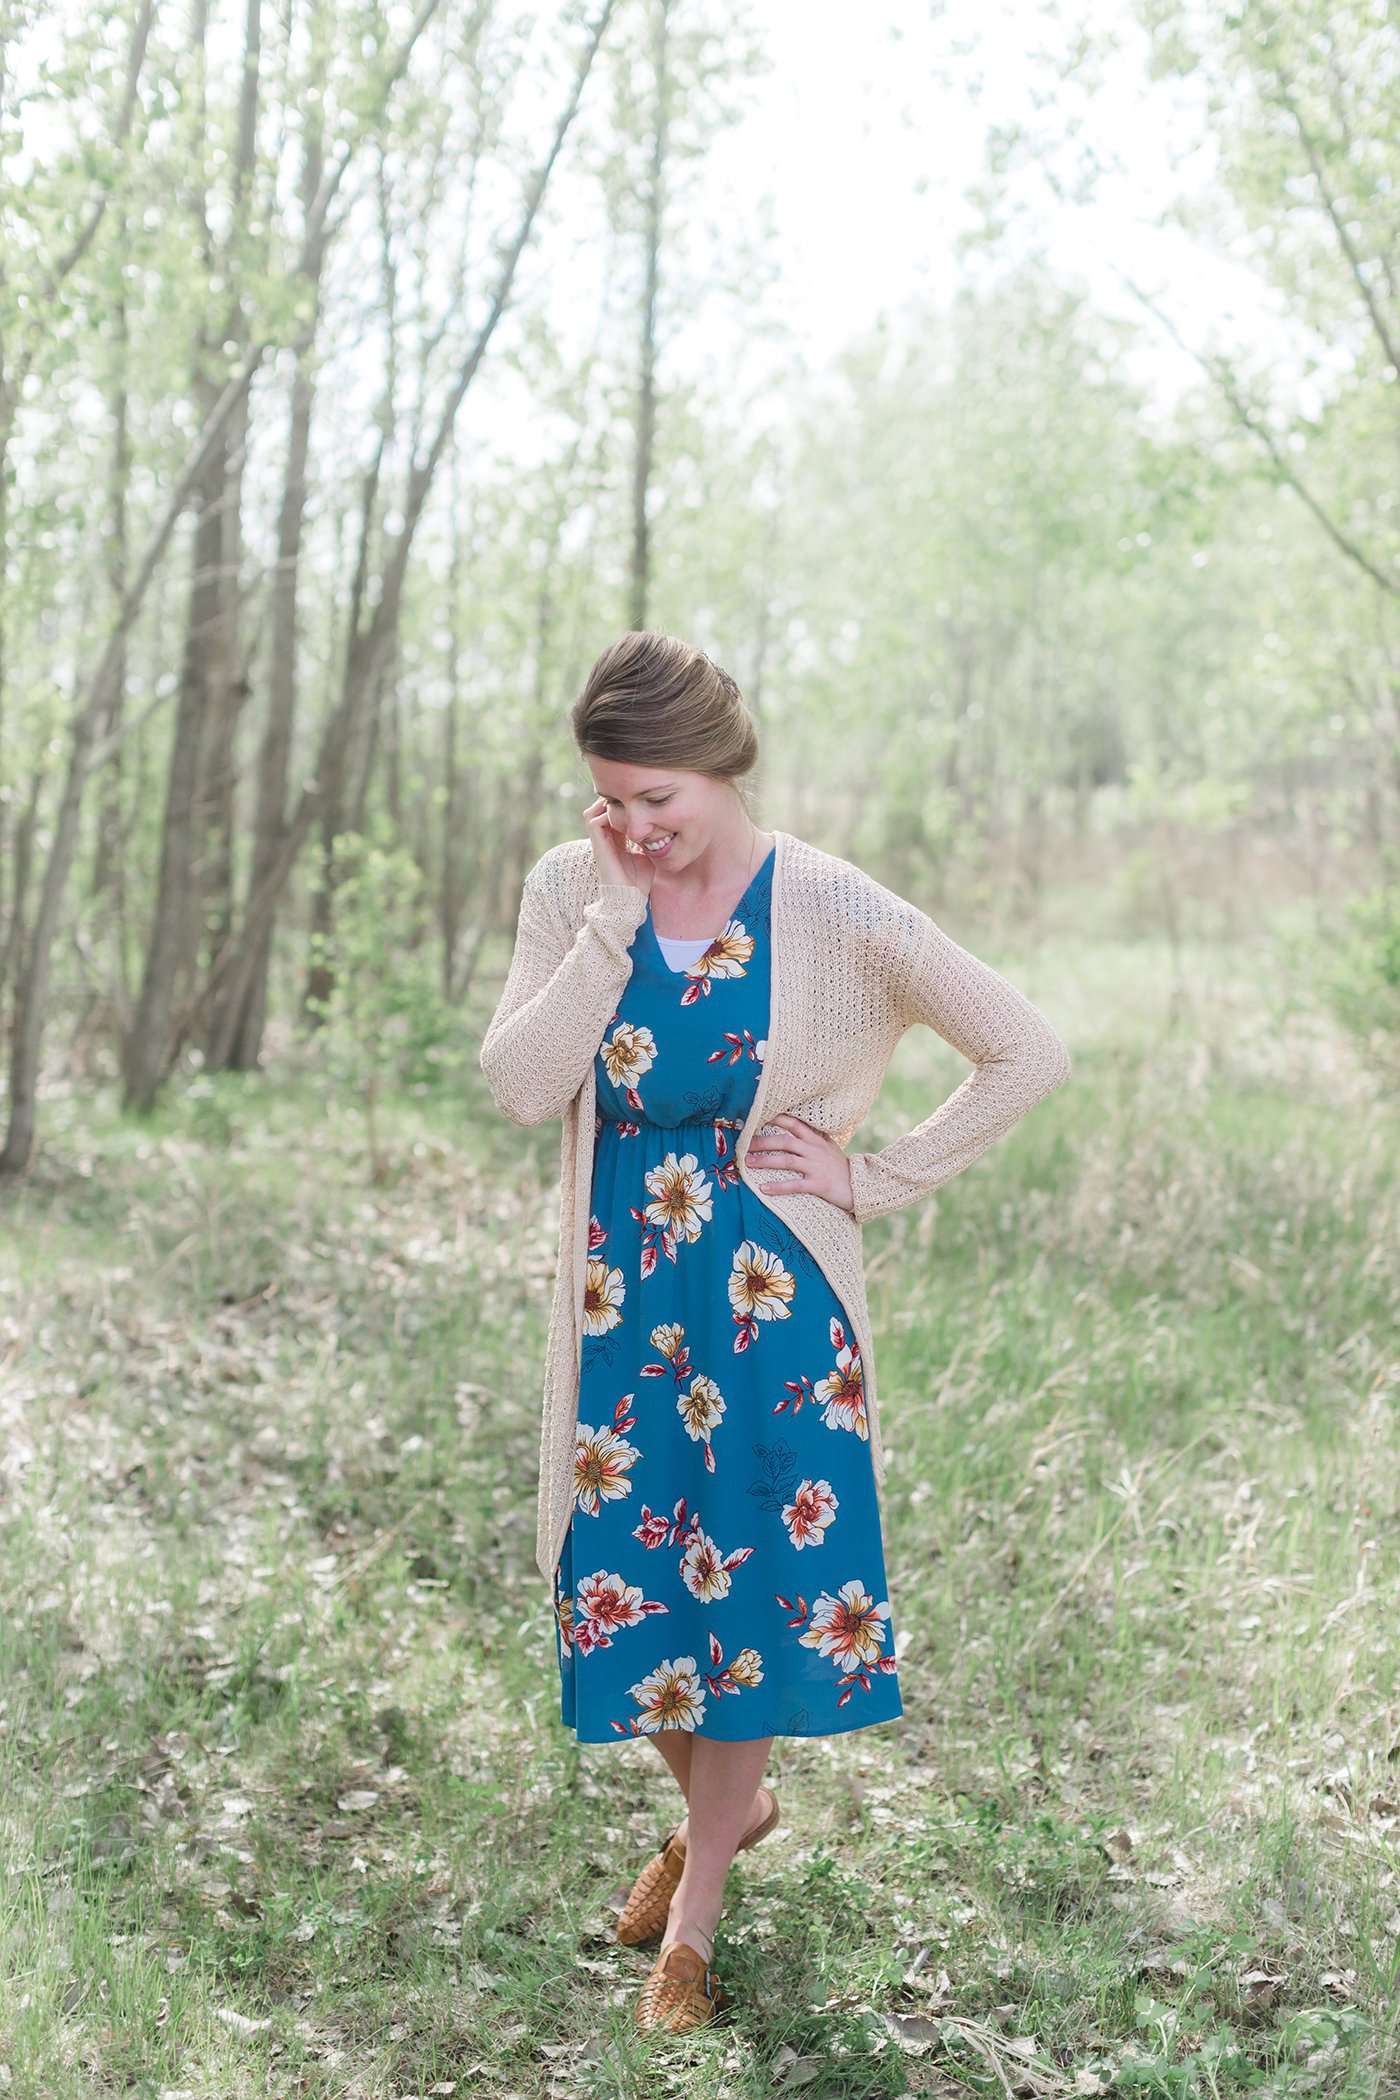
x: 852, y: 966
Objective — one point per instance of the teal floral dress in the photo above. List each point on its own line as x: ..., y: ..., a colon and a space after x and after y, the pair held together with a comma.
x: 723, y: 1571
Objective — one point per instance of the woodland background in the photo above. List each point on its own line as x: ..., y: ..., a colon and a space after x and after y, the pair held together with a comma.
x: 363, y: 372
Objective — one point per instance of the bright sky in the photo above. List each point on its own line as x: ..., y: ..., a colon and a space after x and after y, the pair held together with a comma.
x: 872, y: 125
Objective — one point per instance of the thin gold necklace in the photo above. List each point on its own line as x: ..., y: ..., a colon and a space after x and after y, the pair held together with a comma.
x: 748, y: 878
x: 748, y: 872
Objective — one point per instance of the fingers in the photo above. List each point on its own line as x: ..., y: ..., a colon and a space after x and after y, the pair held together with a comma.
x: 794, y: 1130
x: 772, y: 1153
x: 789, y: 1146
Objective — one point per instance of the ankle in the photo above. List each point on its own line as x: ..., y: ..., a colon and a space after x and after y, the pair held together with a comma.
x: 695, y: 1925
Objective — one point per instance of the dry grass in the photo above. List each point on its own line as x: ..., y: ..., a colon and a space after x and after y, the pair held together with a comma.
x: 287, y: 1807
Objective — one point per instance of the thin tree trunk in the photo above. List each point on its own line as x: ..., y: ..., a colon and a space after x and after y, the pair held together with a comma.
x: 330, y: 771
x: 32, y: 993
x: 29, y: 334
x: 34, y: 970
x: 215, y: 819
x: 640, y: 579
x: 109, y: 858
x: 173, y: 943
x: 235, y: 1033
x: 366, y: 651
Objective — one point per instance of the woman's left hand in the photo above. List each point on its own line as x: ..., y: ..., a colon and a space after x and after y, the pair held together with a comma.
x: 818, y: 1158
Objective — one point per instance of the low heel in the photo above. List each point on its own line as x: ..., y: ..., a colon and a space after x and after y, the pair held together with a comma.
x: 761, y: 1830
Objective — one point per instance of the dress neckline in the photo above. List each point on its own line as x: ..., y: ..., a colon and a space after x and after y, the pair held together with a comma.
x: 734, y: 914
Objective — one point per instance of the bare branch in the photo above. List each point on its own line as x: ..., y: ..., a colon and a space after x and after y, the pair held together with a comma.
x: 335, y: 175
x: 1389, y: 346
x: 1219, y: 371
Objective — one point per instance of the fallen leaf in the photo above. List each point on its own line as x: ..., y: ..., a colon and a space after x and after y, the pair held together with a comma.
x: 240, y: 2022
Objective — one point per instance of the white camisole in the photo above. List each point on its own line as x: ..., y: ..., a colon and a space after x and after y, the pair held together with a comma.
x: 680, y: 953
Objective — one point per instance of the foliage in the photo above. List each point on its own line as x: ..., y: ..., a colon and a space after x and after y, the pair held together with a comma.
x: 1359, y: 976
x: 384, y: 1024
x: 288, y: 1808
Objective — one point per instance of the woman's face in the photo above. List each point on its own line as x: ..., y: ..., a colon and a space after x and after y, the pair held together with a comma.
x: 648, y: 804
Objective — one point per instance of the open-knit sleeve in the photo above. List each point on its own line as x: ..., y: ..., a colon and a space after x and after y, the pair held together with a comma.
x: 1019, y: 1059
x: 561, y: 990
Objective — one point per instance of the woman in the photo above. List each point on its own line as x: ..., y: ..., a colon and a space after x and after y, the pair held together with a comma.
x: 710, y: 1459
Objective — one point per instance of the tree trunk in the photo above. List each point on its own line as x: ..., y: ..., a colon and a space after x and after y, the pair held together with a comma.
x: 215, y: 817
x: 34, y: 968
x: 109, y: 858
x: 640, y: 582
x: 173, y: 944
x: 367, y: 650
x: 235, y: 1035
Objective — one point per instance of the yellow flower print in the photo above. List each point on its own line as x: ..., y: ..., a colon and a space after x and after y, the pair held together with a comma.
x: 705, y: 1571
x: 700, y: 1410
x: 682, y: 1196
x: 726, y: 954
x: 628, y: 1053
x: 851, y: 1628
x: 675, y: 1362
x: 725, y: 957
x: 747, y: 1667
x: 812, y: 1509
x: 603, y: 1292
x: 760, y: 1288
x: 742, y: 1674
x: 848, y: 1627
x: 670, y: 1696
x: 759, y: 1284
x: 602, y: 1460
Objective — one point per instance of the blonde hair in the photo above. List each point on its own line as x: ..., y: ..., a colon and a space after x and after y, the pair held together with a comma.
x: 654, y: 700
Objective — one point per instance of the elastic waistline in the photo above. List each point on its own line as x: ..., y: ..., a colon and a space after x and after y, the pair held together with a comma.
x: 690, y: 1123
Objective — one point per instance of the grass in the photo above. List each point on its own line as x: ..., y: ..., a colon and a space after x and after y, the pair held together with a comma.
x: 285, y: 1805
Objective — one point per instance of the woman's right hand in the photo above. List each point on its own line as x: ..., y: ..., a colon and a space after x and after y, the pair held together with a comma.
x: 610, y: 854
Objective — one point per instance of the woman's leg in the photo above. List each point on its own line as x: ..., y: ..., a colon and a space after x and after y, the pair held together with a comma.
x: 723, y: 1784
x: 675, y: 1746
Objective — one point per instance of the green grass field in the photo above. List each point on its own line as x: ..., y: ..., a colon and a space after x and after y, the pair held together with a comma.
x: 287, y: 1807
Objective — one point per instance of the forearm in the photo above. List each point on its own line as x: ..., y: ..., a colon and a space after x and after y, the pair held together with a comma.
x: 557, y: 1001
x: 1018, y: 1056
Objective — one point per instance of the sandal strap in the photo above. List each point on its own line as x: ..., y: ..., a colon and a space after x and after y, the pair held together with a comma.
x: 661, y: 1988
x: 678, y: 2002
x: 678, y: 1941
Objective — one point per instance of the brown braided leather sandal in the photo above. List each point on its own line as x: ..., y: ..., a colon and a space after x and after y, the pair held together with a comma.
x: 682, y: 1990
x: 648, y: 1903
